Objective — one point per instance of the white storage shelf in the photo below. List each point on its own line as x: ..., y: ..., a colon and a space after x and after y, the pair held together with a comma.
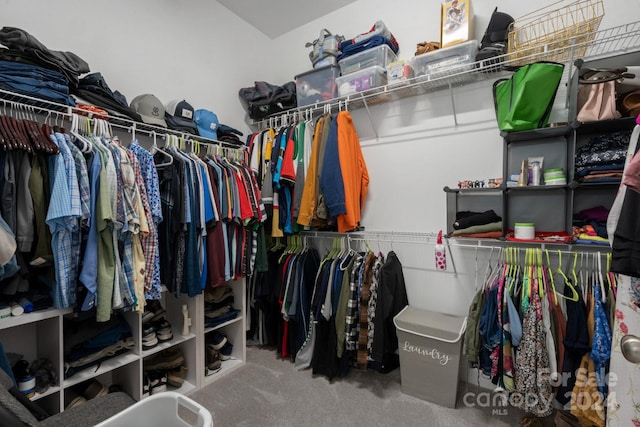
x: 40, y: 334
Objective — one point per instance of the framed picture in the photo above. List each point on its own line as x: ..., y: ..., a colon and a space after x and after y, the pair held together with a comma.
x: 457, y: 22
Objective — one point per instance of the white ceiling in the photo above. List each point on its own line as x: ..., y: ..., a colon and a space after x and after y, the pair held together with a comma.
x: 276, y: 17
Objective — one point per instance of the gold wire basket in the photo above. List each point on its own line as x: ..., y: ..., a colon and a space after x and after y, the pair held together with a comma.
x: 548, y: 34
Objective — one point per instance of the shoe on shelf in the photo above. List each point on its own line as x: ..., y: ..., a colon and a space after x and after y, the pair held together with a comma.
x: 217, y: 340
x: 225, y: 351
x: 95, y: 389
x: 72, y: 399
x: 156, y: 308
x: 157, y: 382
x: 213, y: 360
x: 163, y: 330
x: 169, y: 358
x: 175, y: 377
x: 149, y: 337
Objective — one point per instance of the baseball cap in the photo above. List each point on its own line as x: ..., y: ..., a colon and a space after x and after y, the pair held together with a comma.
x: 150, y: 109
x: 207, y: 123
x: 179, y: 116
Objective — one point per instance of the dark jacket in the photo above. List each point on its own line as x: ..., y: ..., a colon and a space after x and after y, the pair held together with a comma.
x: 392, y: 298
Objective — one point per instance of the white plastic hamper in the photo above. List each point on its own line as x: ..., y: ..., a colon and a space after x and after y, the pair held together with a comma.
x: 429, y: 344
x: 160, y: 410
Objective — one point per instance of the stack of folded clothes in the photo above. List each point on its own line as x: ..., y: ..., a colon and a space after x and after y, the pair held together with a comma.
x: 94, y: 89
x: 480, y: 225
x: 218, y: 306
x: 602, y: 158
x: 377, y: 36
x: 22, y: 47
x: 35, y: 81
x: 590, y: 226
x: 88, y: 343
x: 229, y: 134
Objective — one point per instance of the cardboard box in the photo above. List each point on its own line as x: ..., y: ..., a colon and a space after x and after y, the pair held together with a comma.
x: 456, y: 22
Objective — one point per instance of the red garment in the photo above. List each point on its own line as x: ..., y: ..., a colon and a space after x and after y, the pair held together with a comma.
x: 215, y: 242
x: 287, y: 172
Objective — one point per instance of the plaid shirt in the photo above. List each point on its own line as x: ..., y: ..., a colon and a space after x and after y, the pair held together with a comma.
x: 351, y: 319
x: 150, y: 240
x: 62, y: 218
x: 83, y: 181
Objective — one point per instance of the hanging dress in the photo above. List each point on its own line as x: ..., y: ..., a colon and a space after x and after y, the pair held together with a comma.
x: 533, y: 389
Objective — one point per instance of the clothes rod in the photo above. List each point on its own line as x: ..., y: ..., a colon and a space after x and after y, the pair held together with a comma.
x: 430, y: 238
x: 27, y: 104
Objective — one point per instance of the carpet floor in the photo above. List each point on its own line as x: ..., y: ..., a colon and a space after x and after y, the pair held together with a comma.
x: 269, y: 391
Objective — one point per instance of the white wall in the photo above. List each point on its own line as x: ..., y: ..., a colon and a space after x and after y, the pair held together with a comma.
x: 193, y: 50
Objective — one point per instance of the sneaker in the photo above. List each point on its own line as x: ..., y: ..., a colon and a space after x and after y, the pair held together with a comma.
x: 155, y: 307
x: 213, y: 359
x: 149, y: 338
x: 169, y: 358
x: 95, y: 389
x: 225, y: 351
x: 163, y: 330
x: 157, y: 382
x: 216, y: 340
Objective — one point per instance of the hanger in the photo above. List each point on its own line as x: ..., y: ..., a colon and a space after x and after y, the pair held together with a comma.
x: 603, y: 292
x: 87, y: 145
x: 575, y: 297
x: 611, y: 277
x: 154, y: 149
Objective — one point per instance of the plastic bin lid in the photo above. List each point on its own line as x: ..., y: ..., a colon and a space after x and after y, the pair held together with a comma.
x: 430, y: 324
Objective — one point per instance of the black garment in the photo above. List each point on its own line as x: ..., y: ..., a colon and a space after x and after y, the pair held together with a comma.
x: 94, y: 88
x: 486, y: 217
x: 171, y: 198
x: 67, y: 63
x: 325, y: 360
x: 576, y: 345
x: 626, y: 239
x: 392, y: 298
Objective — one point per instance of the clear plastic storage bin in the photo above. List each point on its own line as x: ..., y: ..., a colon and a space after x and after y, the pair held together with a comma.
x: 317, y: 85
x: 380, y: 55
x: 361, y: 80
x: 450, y: 62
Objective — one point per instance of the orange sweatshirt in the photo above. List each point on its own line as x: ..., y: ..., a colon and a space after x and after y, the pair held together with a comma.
x: 354, y: 173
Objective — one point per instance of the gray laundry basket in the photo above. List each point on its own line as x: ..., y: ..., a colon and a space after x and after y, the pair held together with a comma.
x: 429, y: 344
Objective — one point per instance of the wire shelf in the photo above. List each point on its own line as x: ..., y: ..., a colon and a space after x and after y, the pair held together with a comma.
x: 595, y: 45
x: 25, y: 104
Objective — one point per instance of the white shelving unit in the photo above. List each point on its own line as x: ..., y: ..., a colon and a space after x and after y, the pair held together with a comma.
x: 40, y: 334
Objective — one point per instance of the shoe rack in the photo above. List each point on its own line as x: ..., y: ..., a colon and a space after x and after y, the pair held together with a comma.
x: 41, y: 335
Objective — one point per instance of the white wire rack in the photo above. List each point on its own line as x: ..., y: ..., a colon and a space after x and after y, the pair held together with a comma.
x: 25, y: 104
x: 599, y: 44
